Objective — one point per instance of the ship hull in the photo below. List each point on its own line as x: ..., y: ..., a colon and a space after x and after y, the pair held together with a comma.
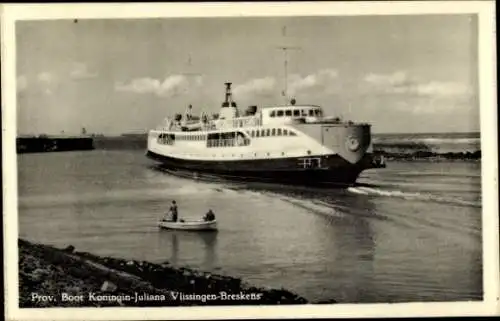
x: 323, y: 170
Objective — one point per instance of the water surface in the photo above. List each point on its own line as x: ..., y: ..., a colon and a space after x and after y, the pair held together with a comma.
x: 411, y: 233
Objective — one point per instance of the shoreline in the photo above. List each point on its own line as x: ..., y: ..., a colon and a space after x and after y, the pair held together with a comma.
x: 54, y: 277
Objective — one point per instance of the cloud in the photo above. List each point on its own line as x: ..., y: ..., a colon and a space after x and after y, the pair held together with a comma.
x: 46, y: 78
x: 47, y: 82
x: 262, y: 87
x: 396, y: 79
x: 21, y: 83
x: 81, y: 71
x: 325, y: 81
x: 437, y: 88
x: 401, y: 83
x: 173, y: 85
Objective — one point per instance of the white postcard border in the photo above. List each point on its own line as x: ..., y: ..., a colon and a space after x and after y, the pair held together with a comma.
x: 488, y: 117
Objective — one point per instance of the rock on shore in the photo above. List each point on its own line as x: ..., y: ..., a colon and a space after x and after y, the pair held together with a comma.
x: 51, y: 277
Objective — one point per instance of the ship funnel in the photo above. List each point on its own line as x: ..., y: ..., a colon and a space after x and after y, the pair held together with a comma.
x: 228, y: 110
x: 228, y: 102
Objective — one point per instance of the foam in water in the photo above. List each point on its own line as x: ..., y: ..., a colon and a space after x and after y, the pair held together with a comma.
x: 441, y: 143
x: 410, y: 196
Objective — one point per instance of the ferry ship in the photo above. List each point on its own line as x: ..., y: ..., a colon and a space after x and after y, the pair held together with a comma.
x: 288, y: 144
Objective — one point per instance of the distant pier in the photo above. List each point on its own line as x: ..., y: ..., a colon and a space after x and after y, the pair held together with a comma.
x: 45, y: 144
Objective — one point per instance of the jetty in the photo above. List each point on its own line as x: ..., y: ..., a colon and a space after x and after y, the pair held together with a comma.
x: 45, y: 144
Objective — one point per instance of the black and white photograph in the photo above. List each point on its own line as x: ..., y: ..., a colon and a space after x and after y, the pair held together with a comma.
x: 270, y: 158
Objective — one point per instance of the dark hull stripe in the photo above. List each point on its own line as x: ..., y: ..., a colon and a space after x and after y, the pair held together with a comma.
x: 334, y: 169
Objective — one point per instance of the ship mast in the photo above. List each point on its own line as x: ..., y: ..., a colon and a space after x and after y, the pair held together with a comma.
x: 285, y: 49
x: 189, y: 67
x: 187, y: 74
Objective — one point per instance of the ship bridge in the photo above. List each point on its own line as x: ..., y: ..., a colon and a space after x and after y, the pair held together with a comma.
x: 292, y: 113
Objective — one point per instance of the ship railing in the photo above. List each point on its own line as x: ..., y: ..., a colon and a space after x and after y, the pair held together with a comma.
x: 239, y: 122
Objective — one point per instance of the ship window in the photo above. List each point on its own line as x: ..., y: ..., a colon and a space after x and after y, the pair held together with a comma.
x: 279, y: 132
x: 268, y: 132
x: 304, y: 112
x: 280, y: 113
x: 272, y: 114
x: 257, y: 133
x: 318, y: 112
x: 285, y: 132
x: 311, y: 112
x: 263, y: 133
x: 273, y: 132
x: 296, y: 112
x: 291, y: 133
x: 288, y: 112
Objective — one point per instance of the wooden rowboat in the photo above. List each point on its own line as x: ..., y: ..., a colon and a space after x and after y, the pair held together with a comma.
x: 195, y: 225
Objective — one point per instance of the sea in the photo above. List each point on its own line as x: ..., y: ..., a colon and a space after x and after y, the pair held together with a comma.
x: 406, y: 233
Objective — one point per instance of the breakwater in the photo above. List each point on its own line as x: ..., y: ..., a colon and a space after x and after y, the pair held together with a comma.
x: 44, y: 144
x: 429, y: 155
x: 123, y: 142
x: 52, y: 277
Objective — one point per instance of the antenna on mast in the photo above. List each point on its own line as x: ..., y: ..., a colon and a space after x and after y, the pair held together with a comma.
x: 188, y: 74
x: 189, y: 67
x: 285, y: 49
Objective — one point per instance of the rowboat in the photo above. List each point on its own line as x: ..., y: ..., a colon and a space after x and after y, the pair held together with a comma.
x: 195, y: 225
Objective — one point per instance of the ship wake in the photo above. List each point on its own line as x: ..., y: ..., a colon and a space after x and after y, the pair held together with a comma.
x: 411, y: 196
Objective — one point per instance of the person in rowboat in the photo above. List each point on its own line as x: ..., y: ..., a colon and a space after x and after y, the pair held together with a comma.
x: 210, y: 216
x: 173, y: 212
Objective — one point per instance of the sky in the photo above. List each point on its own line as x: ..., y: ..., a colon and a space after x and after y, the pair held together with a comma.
x: 402, y: 74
